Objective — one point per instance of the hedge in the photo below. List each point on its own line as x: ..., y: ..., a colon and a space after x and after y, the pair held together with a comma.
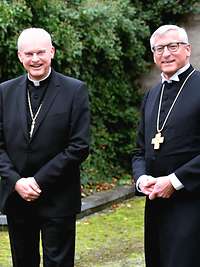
x: 106, y: 44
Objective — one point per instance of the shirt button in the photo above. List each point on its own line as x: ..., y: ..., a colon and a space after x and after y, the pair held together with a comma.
x: 35, y: 97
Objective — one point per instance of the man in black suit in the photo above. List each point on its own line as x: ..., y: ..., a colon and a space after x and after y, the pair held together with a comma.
x: 166, y: 165
x: 44, y: 137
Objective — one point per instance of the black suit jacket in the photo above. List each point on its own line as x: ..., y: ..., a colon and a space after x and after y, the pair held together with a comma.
x: 180, y: 152
x: 169, y: 222
x: 60, y: 142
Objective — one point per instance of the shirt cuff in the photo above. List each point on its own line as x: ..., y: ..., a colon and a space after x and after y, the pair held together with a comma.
x: 142, y: 177
x: 175, y: 182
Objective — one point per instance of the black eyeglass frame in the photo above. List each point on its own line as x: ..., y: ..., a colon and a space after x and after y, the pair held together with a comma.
x: 169, y: 47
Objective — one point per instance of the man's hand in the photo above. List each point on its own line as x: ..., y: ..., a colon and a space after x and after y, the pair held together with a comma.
x: 147, y: 184
x: 28, y: 188
x: 162, y: 188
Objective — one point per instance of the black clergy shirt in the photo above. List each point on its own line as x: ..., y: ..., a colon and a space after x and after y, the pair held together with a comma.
x: 37, y: 94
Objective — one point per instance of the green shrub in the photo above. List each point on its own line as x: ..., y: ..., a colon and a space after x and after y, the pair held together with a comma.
x: 14, y: 17
x: 106, y: 44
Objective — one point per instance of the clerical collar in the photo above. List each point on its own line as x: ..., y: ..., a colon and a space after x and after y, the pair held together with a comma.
x: 37, y: 83
x: 175, y: 76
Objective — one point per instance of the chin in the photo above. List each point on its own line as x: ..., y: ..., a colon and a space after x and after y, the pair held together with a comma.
x: 36, y: 76
x: 169, y: 71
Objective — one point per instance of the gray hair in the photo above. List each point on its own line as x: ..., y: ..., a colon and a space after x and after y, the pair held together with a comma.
x: 165, y: 28
x: 25, y: 33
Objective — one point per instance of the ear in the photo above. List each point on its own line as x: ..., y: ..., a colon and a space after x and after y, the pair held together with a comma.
x: 20, y: 56
x: 188, y: 50
x: 154, y: 58
x: 52, y: 52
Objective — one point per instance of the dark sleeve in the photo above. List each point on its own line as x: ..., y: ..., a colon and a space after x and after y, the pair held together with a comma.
x: 8, y: 173
x: 138, y: 160
x: 77, y: 149
x: 189, y: 174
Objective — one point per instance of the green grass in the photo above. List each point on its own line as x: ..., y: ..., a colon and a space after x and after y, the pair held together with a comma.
x: 5, y: 257
x: 111, y: 238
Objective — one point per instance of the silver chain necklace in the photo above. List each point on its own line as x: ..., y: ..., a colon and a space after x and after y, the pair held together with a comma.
x: 32, y: 116
x: 159, y: 139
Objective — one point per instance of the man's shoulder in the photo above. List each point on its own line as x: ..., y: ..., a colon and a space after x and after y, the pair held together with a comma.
x: 154, y: 88
x: 67, y: 79
x: 13, y: 81
x: 197, y: 74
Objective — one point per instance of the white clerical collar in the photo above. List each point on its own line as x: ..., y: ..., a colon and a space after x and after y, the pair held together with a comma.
x: 175, y: 76
x: 37, y: 83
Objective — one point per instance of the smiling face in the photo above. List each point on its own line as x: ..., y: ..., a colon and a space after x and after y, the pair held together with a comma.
x: 35, y: 53
x: 170, y: 62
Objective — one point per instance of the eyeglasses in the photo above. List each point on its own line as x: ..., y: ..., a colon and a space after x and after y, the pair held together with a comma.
x: 172, y: 47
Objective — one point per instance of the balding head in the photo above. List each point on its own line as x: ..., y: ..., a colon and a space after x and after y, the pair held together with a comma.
x: 32, y: 34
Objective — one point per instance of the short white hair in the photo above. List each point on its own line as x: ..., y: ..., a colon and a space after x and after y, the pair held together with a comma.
x: 165, y: 28
x: 27, y: 32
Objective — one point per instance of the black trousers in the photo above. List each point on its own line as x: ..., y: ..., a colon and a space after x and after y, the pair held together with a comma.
x: 57, y: 235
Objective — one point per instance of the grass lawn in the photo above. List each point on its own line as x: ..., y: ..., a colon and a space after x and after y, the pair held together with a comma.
x: 111, y: 238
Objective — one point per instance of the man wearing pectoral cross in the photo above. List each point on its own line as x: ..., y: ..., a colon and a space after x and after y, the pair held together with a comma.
x: 44, y: 137
x: 166, y: 164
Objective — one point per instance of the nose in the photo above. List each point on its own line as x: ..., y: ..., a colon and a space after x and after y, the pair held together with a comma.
x: 166, y: 52
x: 35, y: 57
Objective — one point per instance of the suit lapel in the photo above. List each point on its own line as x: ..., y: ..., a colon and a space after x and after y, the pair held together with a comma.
x: 52, y: 91
x: 154, y: 94
x: 151, y: 109
x: 22, y: 106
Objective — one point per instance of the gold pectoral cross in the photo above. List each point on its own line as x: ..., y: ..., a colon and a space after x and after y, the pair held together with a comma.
x: 157, y: 140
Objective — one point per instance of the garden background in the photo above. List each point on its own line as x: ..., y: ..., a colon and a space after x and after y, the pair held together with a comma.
x: 106, y: 44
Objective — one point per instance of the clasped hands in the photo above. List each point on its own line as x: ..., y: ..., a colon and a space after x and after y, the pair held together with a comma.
x: 160, y: 187
x: 28, y: 188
